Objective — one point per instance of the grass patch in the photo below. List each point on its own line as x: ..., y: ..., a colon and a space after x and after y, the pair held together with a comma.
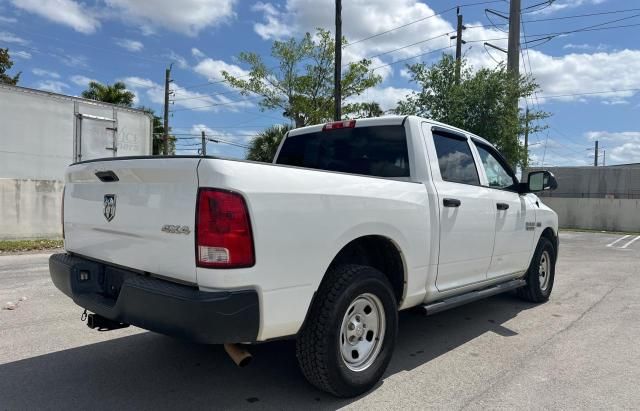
x: 15, y: 246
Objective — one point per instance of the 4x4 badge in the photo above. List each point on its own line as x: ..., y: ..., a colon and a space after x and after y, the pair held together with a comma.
x: 109, y: 206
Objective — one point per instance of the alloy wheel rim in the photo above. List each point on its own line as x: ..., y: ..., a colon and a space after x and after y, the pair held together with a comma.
x: 362, y: 332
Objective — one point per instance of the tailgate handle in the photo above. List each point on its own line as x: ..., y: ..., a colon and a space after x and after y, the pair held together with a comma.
x: 107, y: 176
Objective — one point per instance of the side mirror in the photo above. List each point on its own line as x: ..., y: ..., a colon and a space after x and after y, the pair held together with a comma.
x: 540, y: 181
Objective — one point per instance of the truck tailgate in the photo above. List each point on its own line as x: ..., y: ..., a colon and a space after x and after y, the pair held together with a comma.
x: 121, y: 222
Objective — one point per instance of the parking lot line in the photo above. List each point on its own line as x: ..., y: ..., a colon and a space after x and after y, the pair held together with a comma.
x: 631, y: 242
x: 617, y: 241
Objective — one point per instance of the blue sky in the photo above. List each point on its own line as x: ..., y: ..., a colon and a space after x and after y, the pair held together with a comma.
x: 59, y: 45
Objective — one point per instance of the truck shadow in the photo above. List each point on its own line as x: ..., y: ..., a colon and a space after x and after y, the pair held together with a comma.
x: 147, y: 370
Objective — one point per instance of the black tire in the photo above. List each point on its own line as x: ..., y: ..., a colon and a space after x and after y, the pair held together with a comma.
x: 537, y: 291
x: 318, y: 343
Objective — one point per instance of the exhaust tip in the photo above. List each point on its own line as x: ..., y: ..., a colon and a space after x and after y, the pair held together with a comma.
x: 238, y: 354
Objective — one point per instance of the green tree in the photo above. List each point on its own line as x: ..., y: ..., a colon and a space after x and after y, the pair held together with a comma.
x: 302, y: 83
x: 114, y: 94
x: 481, y: 103
x: 158, y: 132
x: 5, y: 65
x: 364, y: 110
x: 263, y: 147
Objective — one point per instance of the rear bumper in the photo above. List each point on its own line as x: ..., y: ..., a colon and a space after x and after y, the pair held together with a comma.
x: 157, y: 305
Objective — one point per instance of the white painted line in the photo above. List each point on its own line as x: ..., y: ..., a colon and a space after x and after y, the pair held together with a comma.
x: 618, y: 240
x: 631, y: 242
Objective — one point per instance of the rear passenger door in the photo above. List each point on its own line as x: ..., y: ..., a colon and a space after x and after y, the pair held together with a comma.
x: 515, y: 222
x: 467, y: 217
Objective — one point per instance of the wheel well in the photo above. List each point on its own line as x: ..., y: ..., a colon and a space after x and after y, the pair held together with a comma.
x: 378, y: 252
x: 551, y: 236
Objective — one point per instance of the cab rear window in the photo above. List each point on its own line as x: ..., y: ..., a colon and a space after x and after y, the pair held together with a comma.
x: 379, y: 151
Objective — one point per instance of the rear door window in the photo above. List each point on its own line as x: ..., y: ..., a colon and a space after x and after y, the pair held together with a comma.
x: 379, y: 151
x: 455, y: 159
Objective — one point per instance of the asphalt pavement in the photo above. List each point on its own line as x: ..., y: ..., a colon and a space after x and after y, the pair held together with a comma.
x: 579, y: 350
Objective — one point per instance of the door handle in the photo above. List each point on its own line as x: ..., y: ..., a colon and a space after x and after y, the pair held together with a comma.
x: 502, y: 206
x: 451, y: 202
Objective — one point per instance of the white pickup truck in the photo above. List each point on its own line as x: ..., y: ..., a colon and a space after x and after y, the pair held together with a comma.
x: 353, y: 221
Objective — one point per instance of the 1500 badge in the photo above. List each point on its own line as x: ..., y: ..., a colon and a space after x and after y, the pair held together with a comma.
x: 176, y: 229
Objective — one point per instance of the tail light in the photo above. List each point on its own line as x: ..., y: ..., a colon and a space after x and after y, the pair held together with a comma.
x: 339, y: 124
x: 223, y: 230
x: 64, y: 188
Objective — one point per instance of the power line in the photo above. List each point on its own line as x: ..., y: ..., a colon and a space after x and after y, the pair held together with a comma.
x: 411, y: 45
x: 412, y: 57
x: 421, y: 19
x: 574, y: 16
x: 590, y: 93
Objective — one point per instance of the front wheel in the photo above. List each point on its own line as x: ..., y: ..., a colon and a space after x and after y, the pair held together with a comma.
x: 348, y: 338
x: 541, y: 273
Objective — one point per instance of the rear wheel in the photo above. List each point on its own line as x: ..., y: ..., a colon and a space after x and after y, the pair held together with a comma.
x: 541, y: 273
x: 348, y: 338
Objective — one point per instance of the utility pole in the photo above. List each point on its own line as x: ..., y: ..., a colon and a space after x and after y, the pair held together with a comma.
x: 595, y: 161
x: 204, y: 144
x: 165, y: 137
x: 604, y: 158
x: 459, y: 43
x: 513, y: 50
x: 338, y: 63
x: 526, y: 133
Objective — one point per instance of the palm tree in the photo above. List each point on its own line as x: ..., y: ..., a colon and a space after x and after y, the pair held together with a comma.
x: 114, y: 94
x: 263, y: 147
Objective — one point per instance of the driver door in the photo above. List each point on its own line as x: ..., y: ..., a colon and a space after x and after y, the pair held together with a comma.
x: 515, y: 219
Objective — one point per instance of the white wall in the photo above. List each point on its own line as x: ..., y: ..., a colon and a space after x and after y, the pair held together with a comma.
x: 30, y: 209
x: 597, y: 213
x: 36, y: 137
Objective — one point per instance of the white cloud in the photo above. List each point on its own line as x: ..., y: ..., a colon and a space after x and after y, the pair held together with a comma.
x: 52, y: 85
x: 21, y: 54
x: 69, y: 60
x: 134, y: 82
x: 45, y: 73
x: 387, y: 97
x: 67, y: 12
x: 583, y: 73
x: 585, y: 47
x: 130, y: 45
x: 81, y: 80
x: 273, y: 27
x: 566, y: 4
x: 212, y: 69
x: 9, y: 20
x: 177, y: 59
x: 404, y: 73
x: 197, y: 53
x: 7, y: 37
x: 186, y: 16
